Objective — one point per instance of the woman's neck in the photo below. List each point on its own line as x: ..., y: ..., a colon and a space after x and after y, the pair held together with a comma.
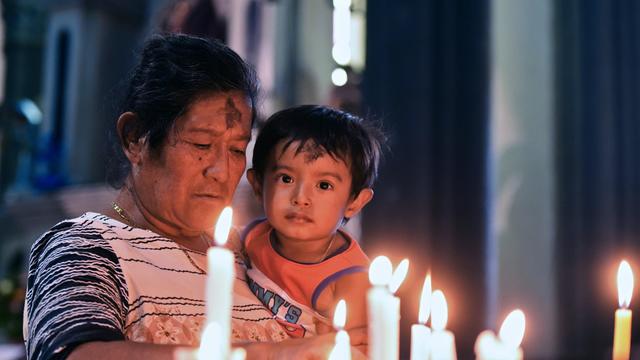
x: 134, y: 213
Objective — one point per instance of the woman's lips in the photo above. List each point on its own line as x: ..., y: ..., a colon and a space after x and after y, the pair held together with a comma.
x: 209, y: 196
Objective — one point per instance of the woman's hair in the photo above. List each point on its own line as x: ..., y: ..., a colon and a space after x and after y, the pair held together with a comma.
x: 319, y: 130
x: 173, y: 72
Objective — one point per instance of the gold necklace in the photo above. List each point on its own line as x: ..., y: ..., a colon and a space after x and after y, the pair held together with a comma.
x: 277, y: 246
x: 123, y: 214
x: 326, y: 252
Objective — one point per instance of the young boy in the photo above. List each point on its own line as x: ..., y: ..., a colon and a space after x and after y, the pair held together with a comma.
x: 313, y: 169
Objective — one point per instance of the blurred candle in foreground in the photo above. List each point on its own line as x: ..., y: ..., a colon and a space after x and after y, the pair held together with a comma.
x: 384, y: 312
x: 420, y: 333
x: 219, y: 286
x: 622, y: 332
x: 210, y: 342
x: 342, y: 348
x: 507, y: 345
x: 443, y: 345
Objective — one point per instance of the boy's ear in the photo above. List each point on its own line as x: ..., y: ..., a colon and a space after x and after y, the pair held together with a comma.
x: 256, y: 185
x: 362, y: 199
x: 132, y: 147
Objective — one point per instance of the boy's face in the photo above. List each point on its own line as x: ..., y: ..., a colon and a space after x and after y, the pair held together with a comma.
x: 306, y: 196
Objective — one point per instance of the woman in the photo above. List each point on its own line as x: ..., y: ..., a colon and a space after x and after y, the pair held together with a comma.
x: 128, y: 282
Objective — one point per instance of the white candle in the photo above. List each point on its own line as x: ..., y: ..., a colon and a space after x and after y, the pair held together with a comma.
x: 342, y: 348
x: 219, y: 287
x: 622, y: 327
x: 507, y: 345
x: 384, y: 312
x: 210, y: 342
x: 420, y: 333
x: 442, y: 341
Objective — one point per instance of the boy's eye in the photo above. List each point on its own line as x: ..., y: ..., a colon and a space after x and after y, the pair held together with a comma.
x: 286, y: 179
x: 325, y: 185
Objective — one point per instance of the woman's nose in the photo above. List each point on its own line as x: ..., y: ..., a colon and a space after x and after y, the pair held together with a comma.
x: 218, y: 167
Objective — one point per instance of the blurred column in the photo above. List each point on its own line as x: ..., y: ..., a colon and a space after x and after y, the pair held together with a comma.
x: 427, y: 77
x: 597, y: 52
x: 521, y: 246
x: 89, y: 49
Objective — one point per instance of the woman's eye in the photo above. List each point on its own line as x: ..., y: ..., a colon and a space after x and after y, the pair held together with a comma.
x: 286, y: 179
x: 202, y: 146
x: 239, y: 152
x: 325, y: 185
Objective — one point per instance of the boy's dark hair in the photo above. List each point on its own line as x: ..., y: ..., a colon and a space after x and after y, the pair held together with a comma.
x: 343, y: 136
x: 175, y: 71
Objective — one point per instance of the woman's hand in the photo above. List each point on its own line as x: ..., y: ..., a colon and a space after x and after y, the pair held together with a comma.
x: 313, y: 348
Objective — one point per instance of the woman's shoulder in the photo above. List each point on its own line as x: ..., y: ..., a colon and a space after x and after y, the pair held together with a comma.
x: 76, y: 235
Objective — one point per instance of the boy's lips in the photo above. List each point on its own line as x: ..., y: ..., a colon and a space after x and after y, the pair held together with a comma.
x: 298, y: 217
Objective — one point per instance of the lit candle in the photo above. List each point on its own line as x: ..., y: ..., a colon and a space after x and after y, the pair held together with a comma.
x: 384, y: 312
x: 420, y: 333
x: 507, y: 345
x: 219, y: 287
x: 342, y: 348
x: 399, y: 274
x: 210, y: 342
x: 442, y: 341
x: 622, y: 332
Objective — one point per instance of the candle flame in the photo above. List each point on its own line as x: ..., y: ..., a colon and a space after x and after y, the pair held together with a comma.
x: 340, y: 315
x: 425, y: 301
x: 380, y: 271
x: 210, y: 345
x: 238, y: 354
x: 625, y: 284
x: 512, y: 329
x: 223, y: 226
x: 486, y: 343
x: 439, y: 311
x: 399, y: 275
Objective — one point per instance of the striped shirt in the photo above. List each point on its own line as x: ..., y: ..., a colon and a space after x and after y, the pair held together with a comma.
x: 93, y: 278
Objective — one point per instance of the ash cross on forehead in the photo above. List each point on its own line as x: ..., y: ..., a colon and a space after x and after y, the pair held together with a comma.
x: 312, y: 151
x: 232, y: 114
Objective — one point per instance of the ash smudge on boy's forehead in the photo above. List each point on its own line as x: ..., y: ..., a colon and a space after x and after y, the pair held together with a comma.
x: 311, y: 151
x: 232, y: 114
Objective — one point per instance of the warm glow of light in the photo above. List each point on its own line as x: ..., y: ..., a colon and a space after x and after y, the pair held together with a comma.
x: 339, y: 77
x: 399, y: 275
x: 210, y: 345
x: 486, y: 343
x: 344, y: 4
x: 425, y: 301
x: 380, y: 271
x: 512, y: 329
x: 341, y: 54
x: 439, y: 311
x: 340, y: 315
x: 223, y: 226
x: 238, y: 354
x: 625, y: 284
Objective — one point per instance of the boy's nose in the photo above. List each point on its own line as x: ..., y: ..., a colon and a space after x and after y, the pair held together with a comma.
x: 300, y: 198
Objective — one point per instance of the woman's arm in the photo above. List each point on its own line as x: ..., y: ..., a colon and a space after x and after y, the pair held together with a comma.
x: 314, y: 348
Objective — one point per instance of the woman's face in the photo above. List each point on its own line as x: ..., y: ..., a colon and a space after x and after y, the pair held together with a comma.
x: 183, y: 191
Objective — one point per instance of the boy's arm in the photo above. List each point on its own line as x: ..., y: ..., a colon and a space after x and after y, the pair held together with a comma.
x: 353, y: 289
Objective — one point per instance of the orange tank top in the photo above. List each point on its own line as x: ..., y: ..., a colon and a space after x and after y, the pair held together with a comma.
x: 302, y: 283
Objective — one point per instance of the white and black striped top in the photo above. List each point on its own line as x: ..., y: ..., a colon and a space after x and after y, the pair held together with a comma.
x: 93, y: 278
